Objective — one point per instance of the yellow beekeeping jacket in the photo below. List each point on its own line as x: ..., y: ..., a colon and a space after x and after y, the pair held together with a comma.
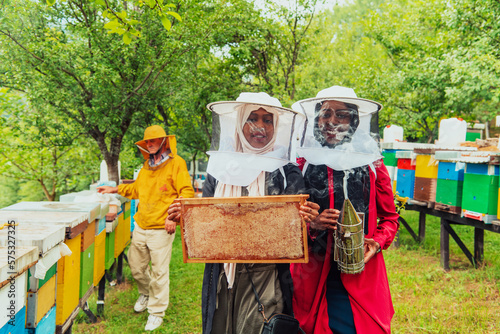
x: 156, y: 188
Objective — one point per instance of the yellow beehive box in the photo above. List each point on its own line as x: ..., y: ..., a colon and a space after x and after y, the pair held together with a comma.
x: 40, y: 302
x: 127, y: 207
x: 122, y: 237
x: 68, y: 281
x: 426, y: 166
x: 119, y: 230
x: 99, y: 257
x: 126, y: 231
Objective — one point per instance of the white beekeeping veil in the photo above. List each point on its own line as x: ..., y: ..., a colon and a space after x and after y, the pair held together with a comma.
x: 236, y: 162
x: 358, y: 148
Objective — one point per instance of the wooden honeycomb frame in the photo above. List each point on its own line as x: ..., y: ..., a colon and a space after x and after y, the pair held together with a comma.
x: 237, y: 230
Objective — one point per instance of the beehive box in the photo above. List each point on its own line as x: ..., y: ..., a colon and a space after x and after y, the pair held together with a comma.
x: 406, y: 163
x: 126, y: 209
x: 119, y: 236
x: 122, y: 235
x: 87, y: 270
x: 110, y: 250
x: 265, y: 229
x: 88, y: 196
x: 44, y: 268
x: 99, y: 257
x: 74, y: 222
x: 111, y: 222
x: 88, y: 236
x: 100, y: 226
x: 425, y: 189
x: 451, y: 171
x: 480, y: 193
x: 39, y: 303
x: 483, y: 169
x: 92, y: 210
x: 126, y: 229
x: 34, y: 284
x: 15, y: 261
x: 426, y: 166
x: 46, y: 325
x: 449, y: 192
x: 15, y: 325
x: 133, y: 211
x: 68, y: 281
x: 13, y: 283
x: 42, y: 236
x: 390, y: 158
x: 406, y: 183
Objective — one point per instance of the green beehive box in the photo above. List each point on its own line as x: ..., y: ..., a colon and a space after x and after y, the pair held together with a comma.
x: 390, y: 158
x: 87, y: 270
x: 449, y: 192
x: 110, y: 250
x: 480, y: 193
x: 472, y: 136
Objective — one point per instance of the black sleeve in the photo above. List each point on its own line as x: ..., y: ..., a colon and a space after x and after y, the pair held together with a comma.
x: 294, y: 180
x: 209, y: 186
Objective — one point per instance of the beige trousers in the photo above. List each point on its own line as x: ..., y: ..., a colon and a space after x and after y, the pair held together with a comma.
x: 153, y: 246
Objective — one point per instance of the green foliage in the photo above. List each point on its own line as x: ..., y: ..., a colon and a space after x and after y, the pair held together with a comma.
x: 441, y: 68
x: 118, y: 21
x: 41, y: 150
x: 423, y: 60
x: 62, y: 57
x: 9, y: 191
x: 476, y: 60
x: 276, y: 47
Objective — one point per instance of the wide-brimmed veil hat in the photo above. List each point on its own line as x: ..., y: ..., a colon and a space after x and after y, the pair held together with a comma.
x: 342, y: 94
x: 262, y: 99
x: 153, y: 132
x: 230, y: 166
x: 360, y: 150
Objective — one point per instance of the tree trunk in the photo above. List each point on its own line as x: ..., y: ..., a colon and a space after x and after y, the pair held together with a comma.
x: 113, y: 172
x: 111, y: 155
x: 49, y: 195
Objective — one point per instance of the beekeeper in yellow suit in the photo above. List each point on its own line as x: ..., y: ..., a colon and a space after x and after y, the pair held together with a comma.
x: 163, y: 178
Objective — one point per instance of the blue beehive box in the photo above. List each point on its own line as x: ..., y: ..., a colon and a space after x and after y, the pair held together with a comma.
x: 15, y: 325
x: 133, y: 210
x: 406, y: 183
x: 46, y: 325
x: 451, y: 171
x: 482, y: 169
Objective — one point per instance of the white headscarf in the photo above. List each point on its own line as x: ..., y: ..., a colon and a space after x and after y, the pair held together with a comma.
x: 257, y: 186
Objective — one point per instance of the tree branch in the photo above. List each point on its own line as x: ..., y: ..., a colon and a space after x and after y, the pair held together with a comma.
x: 7, y: 33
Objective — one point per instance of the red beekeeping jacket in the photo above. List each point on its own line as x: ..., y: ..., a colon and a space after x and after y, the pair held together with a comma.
x: 368, y: 291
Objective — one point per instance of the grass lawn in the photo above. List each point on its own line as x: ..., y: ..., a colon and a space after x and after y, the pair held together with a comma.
x: 426, y: 298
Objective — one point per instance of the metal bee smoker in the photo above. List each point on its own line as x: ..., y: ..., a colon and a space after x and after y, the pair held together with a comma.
x: 349, y: 240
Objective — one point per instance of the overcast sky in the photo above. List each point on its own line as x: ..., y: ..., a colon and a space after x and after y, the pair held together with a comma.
x: 326, y: 4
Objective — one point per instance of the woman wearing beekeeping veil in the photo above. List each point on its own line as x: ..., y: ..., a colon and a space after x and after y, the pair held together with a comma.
x: 257, y: 144
x: 340, y: 160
